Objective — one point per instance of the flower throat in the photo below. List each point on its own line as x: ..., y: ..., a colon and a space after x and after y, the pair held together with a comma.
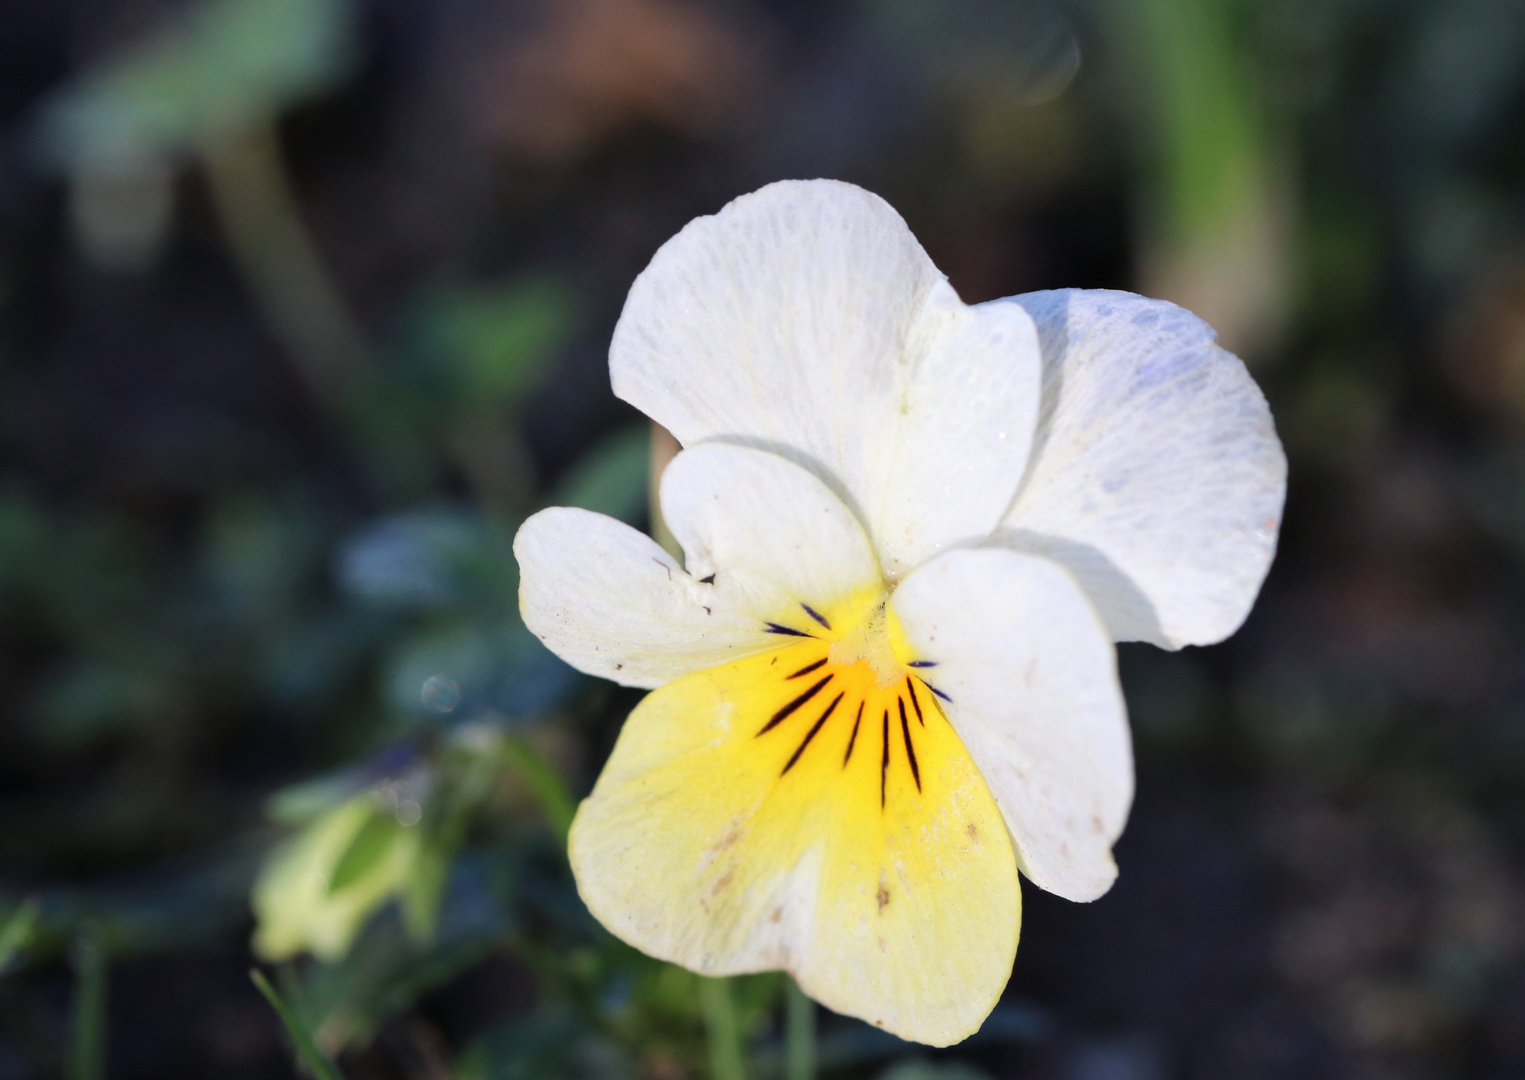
x: 856, y: 671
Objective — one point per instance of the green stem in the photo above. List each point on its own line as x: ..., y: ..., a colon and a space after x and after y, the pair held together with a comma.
x: 799, y: 1034
x: 88, y: 1060
x: 545, y: 783
x: 316, y: 1061
x: 724, y: 1034
x: 272, y: 247
x: 16, y: 932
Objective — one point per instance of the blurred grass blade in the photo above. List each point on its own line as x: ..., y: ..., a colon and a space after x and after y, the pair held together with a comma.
x: 16, y: 934
x: 720, y: 1025
x: 545, y: 783
x: 88, y: 1049
x: 316, y: 1061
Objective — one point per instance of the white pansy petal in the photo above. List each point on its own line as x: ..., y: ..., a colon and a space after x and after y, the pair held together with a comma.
x: 961, y: 432
x: 766, y: 543
x: 768, y: 530
x: 610, y: 602
x: 806, y: 319
x: 1157, y: 478
x: 1030, y: 683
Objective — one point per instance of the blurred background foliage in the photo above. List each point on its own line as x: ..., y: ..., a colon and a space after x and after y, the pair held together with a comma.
x: 304, y: 307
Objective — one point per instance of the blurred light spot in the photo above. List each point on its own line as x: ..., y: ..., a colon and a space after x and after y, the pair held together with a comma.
x: 440, y: 695
x: 408, y: 813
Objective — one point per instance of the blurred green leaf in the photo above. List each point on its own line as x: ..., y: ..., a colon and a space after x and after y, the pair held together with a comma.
x: 497, y: 342
x: 227, y: 64
x: 300, y: 803
x: 611, y: 478
x: 365, y: 852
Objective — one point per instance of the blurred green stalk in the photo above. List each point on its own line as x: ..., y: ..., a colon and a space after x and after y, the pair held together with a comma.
x: 799, y: 1029
x: 271, y: 245
x: 544, y: 783
x: 1210, y: 153
x: 301, y: 1040
x: 88, y: 1050
x: 720, y: 1025
x: 1217, y: 196
x: 17, y: 932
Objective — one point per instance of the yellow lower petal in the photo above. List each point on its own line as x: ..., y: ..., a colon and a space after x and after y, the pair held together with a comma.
x: 809, y: 809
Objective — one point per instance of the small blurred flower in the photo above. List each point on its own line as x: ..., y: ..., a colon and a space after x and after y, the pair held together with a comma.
x: 885, y: 678
x: 315, y: 893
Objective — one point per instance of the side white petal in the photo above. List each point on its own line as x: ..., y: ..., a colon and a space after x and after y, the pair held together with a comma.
x: 610, y: 602
x: 806, y: 319
x: 1157, y: 476
x: 1031, y: 674
x: 765, y: 542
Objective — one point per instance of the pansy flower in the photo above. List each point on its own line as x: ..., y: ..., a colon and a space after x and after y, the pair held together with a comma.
x: 883, y: 675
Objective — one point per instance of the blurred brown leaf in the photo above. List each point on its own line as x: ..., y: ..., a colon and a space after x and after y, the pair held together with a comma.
x: 596, y: 67
x: 1484, y: 354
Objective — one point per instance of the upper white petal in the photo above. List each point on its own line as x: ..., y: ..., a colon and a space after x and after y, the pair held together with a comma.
x: 771, y: 531
x: 805, y: 318
x: 1032, y: 677
x: 1157, y: 477
x: 762, y: 537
